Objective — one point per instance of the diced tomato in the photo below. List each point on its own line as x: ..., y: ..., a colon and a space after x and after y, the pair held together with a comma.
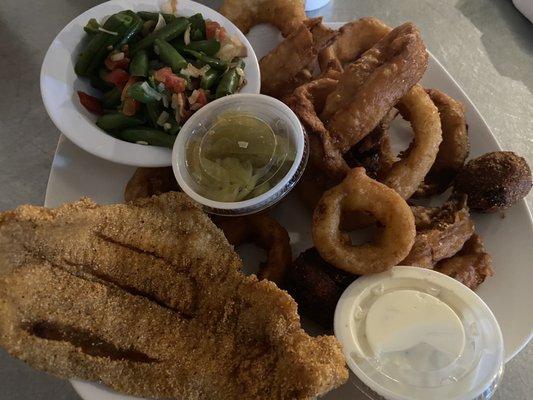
x: 130, y: 82
x: 120, y: 64
x: 91, y: 103
x: 130, y: 106
x: 117, y: 77
x: 213, y: 30
x: 173, y: 82
x: 202, y: 98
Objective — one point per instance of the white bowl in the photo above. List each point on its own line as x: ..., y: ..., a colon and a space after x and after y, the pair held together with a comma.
x: 59, y: 84
x: 264, y: 107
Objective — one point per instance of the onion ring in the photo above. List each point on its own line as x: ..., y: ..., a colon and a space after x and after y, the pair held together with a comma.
x: 354, y: 39
x: 290, y: 63
x: 286, y: 15
x: 266, y: 233
x: 358, y: 192
x: 440, y: 232
x: 453, y: 149
x: 147, y: 182
x: 405, y: 175
x: 373, y: 84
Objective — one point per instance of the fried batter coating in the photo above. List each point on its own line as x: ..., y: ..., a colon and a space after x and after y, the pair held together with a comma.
x: 290, y: 64
x: 148, y: 298
x: 440, y: 232
x: 470, y: 266
x: 369, y: 87
x: 453, y: 149
x: 286, y: 15
x: 494, y: 181
x: 147, y: 182
x: 354, y: 39
x: 317, y: 286
x: 358, y: 192
x: 266, y: 233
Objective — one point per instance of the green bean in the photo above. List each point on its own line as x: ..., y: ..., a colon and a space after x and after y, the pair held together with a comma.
x: 153, y: 16
x: 169, y: 55
x: 149, y: 136
x: 97, y: 49
x: 143, y: 92
x: 208, y: 47
x: 112, y: 98
x: 197, y: 27
x: 229, y: 83
x: 167, y: 33
x: 209, y: 78
x: 92, y: 27
x: 211, y: 61
x: 112, y: 122
x: 139, y: 64
x: 135, y: 28
x: 153, y: 111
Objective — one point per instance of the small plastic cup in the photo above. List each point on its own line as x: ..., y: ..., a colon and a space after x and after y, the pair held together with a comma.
x: 266, y: 108
x: 415, y: 334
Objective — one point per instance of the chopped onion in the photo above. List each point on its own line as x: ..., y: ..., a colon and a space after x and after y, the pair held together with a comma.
x: 106, y: 31
x: 174, y: 104
x: 160, y: 23
x: 150, y: 91
x: 193, y: 72
x: 163, y: 117
x: 142, y: 142
x: 161, y: 86
x: 164, y: 99
x: 187, y: 36
x: 167, y: 126
x: 193, y: 97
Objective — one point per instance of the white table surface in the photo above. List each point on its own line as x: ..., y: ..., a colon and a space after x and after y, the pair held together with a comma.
x: 486, y: 45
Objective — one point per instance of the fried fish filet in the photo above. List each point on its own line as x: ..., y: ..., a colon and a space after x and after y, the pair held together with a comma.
x: 148, y: 298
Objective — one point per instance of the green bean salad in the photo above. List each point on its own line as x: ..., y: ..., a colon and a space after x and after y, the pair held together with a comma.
x: 154, y: 71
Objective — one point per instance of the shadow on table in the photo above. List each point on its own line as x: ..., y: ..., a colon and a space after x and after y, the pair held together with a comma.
x: 494, y: 18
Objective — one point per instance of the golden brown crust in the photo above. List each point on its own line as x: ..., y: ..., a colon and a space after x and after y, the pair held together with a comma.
x: 358, y: 192
x: 147, y: 182
x: 369, y: 87
x: 470, y: 266
x: 453, y: 149
x: 286, y: 15
x: 290, y: 64
x: 148, y: 298
x: 440, y: 232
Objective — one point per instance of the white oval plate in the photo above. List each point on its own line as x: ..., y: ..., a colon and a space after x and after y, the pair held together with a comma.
x: 76, y: 173
x: 59, y: 84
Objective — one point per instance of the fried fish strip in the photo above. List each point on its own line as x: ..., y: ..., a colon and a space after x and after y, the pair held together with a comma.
x: 470, y: 266
x: 288, y: 65
x: 369, y: 87
x: 286, y: 15
x: 148, y: 298
x: 440, y: 232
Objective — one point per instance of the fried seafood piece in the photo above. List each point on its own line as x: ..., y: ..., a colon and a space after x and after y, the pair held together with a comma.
x: 406, y: 174
x: 494, y: 181
x: 307, y: 101
x: 440, y: 232
x: 453, y: 149
x: 354, y: 39
x: 266, y: 233
x: 291, y: 63
x: 147, y: 182
x: 148, y: 298
x: 358, y: 192
x: 317, y: 286
x: 286, y: 15
x: 369, y: 87
x: 470, y: 266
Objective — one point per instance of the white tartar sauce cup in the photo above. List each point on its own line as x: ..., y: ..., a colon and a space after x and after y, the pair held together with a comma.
x: 412, y: 333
